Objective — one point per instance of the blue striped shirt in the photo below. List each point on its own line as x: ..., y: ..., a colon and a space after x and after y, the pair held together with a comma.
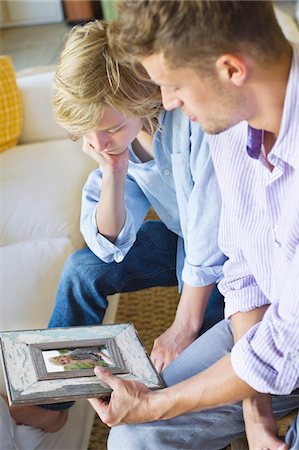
x: 259, y: 232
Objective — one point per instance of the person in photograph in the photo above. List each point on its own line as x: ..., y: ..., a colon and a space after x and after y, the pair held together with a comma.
x: 231, y: 69
x: 147, y: 158
x: 90, y: 355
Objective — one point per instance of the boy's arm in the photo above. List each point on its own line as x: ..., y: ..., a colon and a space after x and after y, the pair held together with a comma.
x: 185, y: 328
x: 113, y: 209
x: 110, y: 213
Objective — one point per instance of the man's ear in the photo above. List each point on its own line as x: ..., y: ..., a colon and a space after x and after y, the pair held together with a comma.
x: 232, y: 68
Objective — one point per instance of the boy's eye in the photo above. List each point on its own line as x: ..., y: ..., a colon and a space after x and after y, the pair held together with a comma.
x: 116, y: 129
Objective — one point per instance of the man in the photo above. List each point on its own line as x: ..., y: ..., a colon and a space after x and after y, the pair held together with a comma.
x: 230, y: 68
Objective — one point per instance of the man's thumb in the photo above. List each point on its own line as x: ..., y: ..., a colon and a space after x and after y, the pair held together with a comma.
x: 107, y: 377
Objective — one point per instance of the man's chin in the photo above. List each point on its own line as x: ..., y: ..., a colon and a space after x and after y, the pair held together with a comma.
x: 215, y: 130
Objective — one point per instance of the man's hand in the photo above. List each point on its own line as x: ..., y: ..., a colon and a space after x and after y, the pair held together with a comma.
x: 260, y: 424
x: 170, y: 344
x: 128, y: 402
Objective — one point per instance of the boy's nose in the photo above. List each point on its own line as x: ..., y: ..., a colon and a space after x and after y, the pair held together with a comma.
x: 100, y: 140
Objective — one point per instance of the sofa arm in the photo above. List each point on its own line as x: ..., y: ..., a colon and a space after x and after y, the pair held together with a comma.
x: 39, y: 124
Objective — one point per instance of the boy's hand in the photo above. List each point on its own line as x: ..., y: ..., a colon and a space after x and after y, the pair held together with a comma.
x: 169, y: 345
x: 107, y: 160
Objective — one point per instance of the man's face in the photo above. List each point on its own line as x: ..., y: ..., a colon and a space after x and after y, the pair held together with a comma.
x: 204, y: 99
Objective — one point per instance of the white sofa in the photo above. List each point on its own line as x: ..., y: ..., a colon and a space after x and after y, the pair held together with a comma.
x: 40, y: 194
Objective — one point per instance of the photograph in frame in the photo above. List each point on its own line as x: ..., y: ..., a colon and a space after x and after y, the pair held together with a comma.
x: 56, y: 365
x: 75, y: 359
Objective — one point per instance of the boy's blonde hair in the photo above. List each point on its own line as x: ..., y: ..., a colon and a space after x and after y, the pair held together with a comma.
x: 88, y: 79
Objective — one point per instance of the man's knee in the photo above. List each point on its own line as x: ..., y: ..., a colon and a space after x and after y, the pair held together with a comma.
x: 125, y: 437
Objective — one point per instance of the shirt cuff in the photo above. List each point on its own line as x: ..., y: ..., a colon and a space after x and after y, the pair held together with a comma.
x: 118, y: 250
x: 262, y: 375
x: 201, y: 276
x: 242, y: 300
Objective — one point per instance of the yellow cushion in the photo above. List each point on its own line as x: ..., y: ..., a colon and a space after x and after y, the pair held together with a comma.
x: 11, y: 112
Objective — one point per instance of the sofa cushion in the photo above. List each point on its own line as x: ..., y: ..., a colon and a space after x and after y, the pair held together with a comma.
x: 11, y: 114
x: 29, y: 277
x: 39, y: 124
x: 40, y: 195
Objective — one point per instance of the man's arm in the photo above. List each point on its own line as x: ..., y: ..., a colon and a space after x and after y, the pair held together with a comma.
x: 185, y: 327
x: 132, y: 402
x: 216, y: 386
x: 260, y: 424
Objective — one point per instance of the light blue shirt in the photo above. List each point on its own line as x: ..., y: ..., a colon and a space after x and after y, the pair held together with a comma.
x: 181, y: 186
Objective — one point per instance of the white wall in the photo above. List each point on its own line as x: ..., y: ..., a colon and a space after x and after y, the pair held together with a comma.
x: 29, y: 12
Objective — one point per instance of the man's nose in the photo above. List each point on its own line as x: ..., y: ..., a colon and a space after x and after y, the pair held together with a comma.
x: 169, y: 99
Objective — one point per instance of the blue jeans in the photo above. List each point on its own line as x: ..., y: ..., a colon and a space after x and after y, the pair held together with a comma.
x: 86, y: 281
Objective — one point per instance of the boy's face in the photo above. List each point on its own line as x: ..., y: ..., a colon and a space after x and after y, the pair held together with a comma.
x: 204, y: 99
x: 114, y: 133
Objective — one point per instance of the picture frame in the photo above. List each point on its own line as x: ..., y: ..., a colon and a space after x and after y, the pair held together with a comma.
x: 57, y: 365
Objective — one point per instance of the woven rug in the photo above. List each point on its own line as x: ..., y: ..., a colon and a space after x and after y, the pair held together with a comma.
x: 151, y: 311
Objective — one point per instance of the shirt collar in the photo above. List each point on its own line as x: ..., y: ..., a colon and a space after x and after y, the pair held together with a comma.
x: 254, y: 142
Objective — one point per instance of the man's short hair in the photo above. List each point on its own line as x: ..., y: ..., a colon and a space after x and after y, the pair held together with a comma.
x: 194, y: 33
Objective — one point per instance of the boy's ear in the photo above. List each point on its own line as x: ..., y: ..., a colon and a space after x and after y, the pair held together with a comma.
x: 232, y: 68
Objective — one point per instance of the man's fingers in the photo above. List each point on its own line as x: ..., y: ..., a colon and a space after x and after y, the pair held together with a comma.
x: 98, y: 404
x: 101, y: 407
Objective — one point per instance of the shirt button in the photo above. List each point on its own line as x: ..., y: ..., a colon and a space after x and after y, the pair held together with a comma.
x: 166, y: 172
x: 118, y: 257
